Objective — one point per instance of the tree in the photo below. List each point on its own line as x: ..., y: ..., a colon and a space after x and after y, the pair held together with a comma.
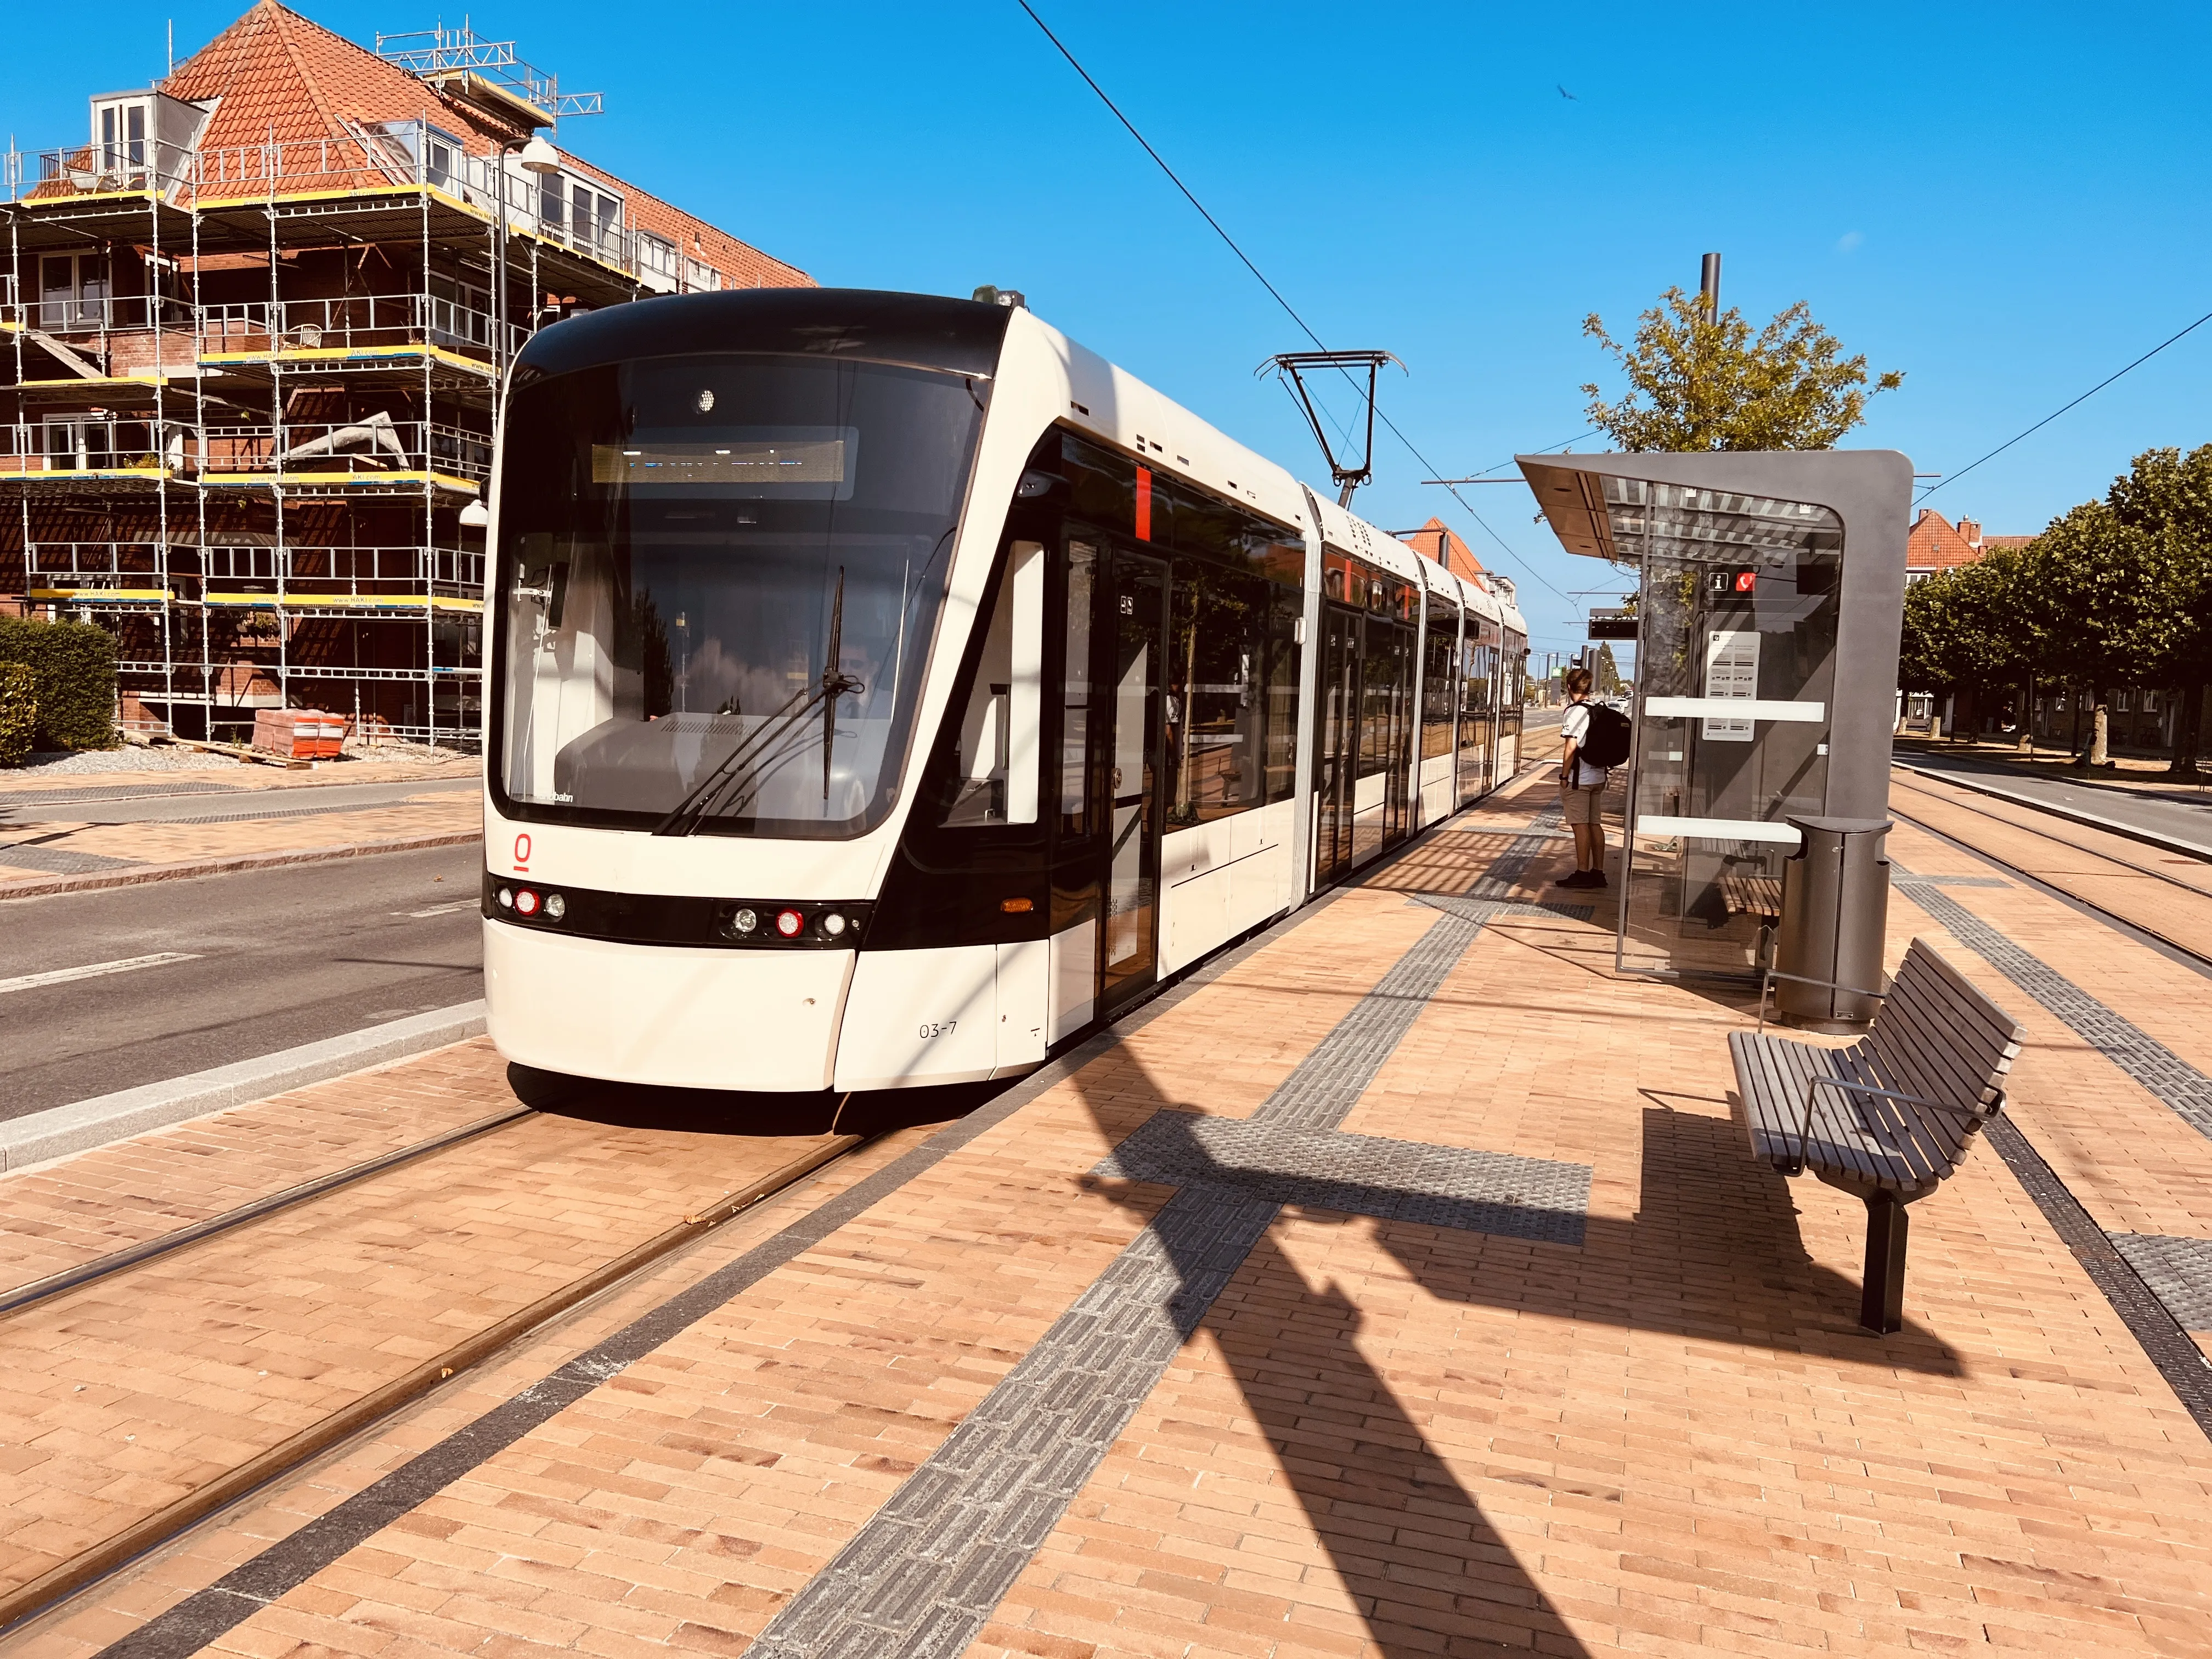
x: 2106, y: 586
x: 1606, y: 672
x: 1701, y: 384
x: 2168, y: 496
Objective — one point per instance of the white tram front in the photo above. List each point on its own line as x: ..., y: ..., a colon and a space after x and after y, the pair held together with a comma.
x: 885, y: 690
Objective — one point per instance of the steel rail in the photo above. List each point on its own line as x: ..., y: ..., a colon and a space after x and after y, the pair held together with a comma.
x: 38, y: 1595
x: 2033, y: 830
x: 2141, y: 932
x: 116, y: 1261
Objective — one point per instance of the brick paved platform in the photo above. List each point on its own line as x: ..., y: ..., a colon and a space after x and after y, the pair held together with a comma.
x: 1400, y: 1286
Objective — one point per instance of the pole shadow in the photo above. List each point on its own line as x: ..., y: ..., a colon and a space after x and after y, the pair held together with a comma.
x: 1713, y: 1253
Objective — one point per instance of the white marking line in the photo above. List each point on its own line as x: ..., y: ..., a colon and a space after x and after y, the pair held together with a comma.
x: 63, y: 975
x: 441, y: 909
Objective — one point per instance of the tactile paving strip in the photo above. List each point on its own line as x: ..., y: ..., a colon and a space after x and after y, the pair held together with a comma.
x: 1361, y: 1174
x: 922, y: 1576
x: 2140, y: 1301
x: 59, y: 860
x: 2186, y: 1092
x: 2178, y: 1270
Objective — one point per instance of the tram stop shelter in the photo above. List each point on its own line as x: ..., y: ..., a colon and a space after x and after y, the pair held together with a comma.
x: 1770, y: 590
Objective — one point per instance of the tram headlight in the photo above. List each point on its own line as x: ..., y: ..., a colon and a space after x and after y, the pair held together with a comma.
x: 525, y: 902
x: 556, y: 907
x: 506, y: 897
x: 833, y: 924
x: 789, y: 922
x: 744, y: 922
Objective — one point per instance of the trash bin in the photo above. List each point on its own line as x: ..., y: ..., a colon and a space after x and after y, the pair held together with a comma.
x: 1835, y: 915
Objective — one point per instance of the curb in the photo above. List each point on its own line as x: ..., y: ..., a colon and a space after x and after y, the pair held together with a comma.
x: 2072, y: 815
x: 85, y: 1124
x: 179, y: 871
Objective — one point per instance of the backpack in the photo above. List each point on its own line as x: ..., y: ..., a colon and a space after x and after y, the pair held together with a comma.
x: 1605, y: 742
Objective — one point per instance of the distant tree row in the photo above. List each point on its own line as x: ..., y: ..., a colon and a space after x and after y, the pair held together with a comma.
x: 2114, y: 592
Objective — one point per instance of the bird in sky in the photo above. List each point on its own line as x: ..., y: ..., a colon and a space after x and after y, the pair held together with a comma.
x: 1565, y: 93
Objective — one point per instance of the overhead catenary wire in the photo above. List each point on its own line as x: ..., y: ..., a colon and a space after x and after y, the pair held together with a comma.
x: 2061, y: 408
x: 1260, y: 277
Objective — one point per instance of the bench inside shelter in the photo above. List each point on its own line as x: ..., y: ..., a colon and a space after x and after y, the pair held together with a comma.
x: 1889, y: 1117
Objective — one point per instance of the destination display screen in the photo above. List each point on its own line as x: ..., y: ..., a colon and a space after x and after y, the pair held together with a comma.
x: 804, y: 461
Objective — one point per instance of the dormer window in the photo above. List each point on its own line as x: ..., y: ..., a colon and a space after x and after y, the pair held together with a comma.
x: 119, y: 131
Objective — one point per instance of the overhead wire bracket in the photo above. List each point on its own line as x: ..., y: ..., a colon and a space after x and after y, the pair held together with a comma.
x: 1293, y: 367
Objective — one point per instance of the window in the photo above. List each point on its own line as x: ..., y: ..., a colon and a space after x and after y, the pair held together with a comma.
x: 995, y: 768
x: 702, y: 278
x: 73, y: 291
x: 1438, y: 691
x: 656, y: 255
x: 119, y: 135
x: 1229, y: 707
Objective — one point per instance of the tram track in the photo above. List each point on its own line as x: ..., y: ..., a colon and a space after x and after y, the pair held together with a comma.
x: 43, y: 1593
x: 2153, y: 924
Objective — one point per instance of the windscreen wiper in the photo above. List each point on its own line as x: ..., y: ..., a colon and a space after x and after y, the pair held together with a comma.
x: 687, y: 814
x: 835, y: 682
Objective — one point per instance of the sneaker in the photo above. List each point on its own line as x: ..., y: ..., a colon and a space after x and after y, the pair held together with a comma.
x: 1579, y: 879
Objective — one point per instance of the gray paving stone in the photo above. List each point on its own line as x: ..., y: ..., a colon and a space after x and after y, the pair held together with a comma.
x: 2178, y: 1272
x: 1034, y: 1441
x: 2179, y: 1086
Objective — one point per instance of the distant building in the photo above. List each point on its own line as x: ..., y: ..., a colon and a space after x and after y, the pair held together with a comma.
x: 1434, y: 540
x: 254, y: 326
x: 1935, y: 543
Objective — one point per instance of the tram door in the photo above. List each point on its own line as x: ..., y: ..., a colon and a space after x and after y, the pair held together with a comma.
x: 1337, y: 731
x: 1129, y: 952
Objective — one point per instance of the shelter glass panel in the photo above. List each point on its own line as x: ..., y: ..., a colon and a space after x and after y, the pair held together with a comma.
x: 1739, y: 608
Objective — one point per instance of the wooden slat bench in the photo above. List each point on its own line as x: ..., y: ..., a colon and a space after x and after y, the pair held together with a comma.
x: 1888, y: 1118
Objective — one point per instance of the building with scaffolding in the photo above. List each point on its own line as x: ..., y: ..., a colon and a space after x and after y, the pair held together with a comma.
x: 255, y: 324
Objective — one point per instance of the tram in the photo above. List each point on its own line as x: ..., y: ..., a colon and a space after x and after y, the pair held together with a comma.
x: 883, y: 691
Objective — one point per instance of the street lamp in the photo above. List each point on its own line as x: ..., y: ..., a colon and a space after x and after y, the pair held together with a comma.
x: 538, y: 157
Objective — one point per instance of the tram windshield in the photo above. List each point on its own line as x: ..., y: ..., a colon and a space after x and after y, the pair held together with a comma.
x: 719, y: 581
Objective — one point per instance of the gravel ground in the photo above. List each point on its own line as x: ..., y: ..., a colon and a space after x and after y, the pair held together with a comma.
x: 51, y: 764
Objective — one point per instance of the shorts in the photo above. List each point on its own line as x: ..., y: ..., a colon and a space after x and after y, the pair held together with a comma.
x: 1579, y: 805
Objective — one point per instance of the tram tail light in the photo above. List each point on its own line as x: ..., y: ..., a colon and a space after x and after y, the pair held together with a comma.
x: 525, y: 902
x: 789, y: 922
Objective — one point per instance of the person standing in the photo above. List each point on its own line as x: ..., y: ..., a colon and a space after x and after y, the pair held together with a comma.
x: 1582, y: 785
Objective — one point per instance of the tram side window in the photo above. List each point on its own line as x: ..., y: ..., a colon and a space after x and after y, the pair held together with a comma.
x: 1078, y: 812
x: 1283, y: 616
x: 1437, y: 687
x: 997, y: 759
x: 1218, y: 701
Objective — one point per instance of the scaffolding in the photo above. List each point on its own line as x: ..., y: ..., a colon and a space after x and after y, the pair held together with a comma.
x: 260, y: 484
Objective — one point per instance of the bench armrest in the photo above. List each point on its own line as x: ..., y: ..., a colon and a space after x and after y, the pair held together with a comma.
x: 1766, y: 986
x: 1975, y: 1114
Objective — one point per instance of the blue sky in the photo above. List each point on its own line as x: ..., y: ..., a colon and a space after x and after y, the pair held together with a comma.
x: 2003, y: 203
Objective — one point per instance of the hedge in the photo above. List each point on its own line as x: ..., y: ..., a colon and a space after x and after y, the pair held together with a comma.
x: 19, y: 711
x: 73, y: 666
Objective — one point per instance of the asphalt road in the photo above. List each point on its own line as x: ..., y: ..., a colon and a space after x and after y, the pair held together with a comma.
x: 2182, y: 818
x: 274, y: 958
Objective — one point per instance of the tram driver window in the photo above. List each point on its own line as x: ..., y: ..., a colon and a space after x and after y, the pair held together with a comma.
x: 996, y: 756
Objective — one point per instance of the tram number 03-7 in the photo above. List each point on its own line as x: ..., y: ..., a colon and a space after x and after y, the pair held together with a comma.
x: 937, y: 1027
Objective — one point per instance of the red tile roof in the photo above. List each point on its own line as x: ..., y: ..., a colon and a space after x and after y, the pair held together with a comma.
x: 281, y: 77
x: 1434, y: 540
x: 1935, y: 543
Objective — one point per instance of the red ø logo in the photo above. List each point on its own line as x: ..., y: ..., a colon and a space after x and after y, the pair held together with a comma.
x: 522, y: 853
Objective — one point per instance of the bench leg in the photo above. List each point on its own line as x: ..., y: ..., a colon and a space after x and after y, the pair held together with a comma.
x: 1881, y: 1309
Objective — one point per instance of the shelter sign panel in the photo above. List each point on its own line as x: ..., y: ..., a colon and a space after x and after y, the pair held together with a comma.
x: 1731, y: 671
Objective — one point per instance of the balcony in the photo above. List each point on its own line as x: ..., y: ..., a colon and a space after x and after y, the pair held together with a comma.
x: 412, y: 155
x: 80, y: 448
x: 372, y: 451
x: 368, y: 327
